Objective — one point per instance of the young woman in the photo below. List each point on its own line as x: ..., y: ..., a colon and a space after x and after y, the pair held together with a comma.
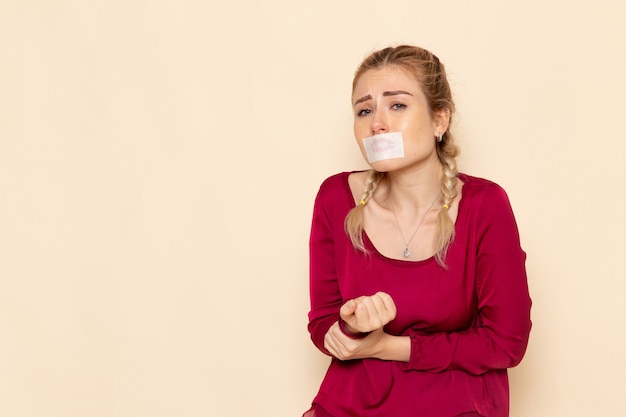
x: 418, y: 284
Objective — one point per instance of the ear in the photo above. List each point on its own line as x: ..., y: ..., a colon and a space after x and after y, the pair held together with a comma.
x: 441, y: 121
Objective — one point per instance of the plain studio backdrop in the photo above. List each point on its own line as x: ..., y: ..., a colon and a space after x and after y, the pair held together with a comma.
x: 159, y: 161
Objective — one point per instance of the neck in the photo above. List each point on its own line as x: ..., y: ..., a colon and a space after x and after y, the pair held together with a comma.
x: 413, y: 189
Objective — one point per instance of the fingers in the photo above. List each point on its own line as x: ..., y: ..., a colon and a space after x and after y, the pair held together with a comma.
x: 348, y: 308
x: 368, y: 313
x: 341, y: 346
x: 344, y: 348
x: 388, y: 305
x: 330, y: 341
x: 378, y: 308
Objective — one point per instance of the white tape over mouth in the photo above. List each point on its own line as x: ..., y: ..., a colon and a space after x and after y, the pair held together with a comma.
x: 384, y: 146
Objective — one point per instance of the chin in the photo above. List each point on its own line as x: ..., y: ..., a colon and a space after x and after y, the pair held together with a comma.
x: 388, y: 164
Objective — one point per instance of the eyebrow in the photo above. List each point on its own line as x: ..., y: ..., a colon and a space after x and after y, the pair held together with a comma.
x: 385, y: 94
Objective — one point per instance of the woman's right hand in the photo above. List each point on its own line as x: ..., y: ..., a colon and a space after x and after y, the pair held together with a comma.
x: 368, y: 313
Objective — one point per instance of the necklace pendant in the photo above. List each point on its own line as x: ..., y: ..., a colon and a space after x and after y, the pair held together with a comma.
x: 406, y: 252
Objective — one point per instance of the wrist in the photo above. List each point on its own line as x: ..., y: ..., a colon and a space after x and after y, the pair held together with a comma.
x: 344, y: 327
x: 395, y: 348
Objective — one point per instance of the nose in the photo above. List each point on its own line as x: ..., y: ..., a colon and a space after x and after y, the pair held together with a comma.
x: 379, y: 123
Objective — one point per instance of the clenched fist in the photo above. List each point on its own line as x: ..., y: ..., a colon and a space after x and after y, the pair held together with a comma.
x: 368, y: 313
x: 364, y: 317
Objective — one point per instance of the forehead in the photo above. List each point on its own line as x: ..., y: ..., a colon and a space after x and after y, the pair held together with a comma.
x: 388, y: 78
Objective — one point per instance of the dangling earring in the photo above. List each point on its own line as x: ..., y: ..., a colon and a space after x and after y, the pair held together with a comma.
x: 440, y: 138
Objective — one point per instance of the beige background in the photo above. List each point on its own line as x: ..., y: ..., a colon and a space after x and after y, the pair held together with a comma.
x: 159, y: 160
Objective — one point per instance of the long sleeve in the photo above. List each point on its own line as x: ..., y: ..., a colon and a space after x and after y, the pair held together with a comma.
x: 499, y: 335
x: 325, y: 295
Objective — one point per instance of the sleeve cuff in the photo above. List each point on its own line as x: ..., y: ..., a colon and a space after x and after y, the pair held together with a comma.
x: 342, y: 327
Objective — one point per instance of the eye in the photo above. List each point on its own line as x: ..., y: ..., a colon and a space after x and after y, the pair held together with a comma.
x: 398, y: 106
x: 363, y: 112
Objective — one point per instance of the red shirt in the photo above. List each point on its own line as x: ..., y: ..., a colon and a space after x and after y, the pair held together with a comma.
x: 467, y: 323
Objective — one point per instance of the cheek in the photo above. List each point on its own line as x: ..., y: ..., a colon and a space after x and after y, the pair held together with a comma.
x: 417, y: 145
x: 361, y: 129
x: 359, y: 143
x: 358, y: 138
x: 362, y: 150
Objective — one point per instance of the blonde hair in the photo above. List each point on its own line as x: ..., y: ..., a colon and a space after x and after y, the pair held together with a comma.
x: 431, y: 76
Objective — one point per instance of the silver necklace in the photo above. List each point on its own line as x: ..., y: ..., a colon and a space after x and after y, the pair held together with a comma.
x: 407, y: 252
